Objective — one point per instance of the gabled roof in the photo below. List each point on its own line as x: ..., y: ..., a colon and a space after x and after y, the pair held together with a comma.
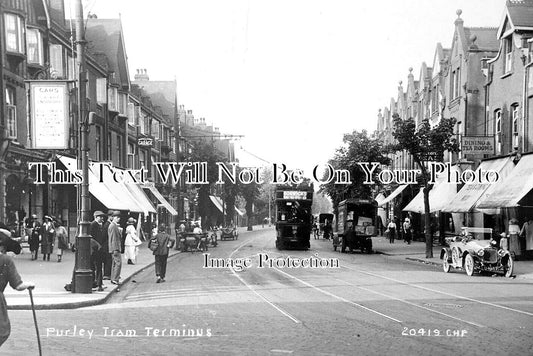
x: 485, y: 38
x: 162, y: 94
x: 105, y: 36
x: 519, y: 15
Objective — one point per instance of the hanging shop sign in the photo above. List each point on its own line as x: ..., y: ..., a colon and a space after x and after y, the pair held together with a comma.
x: 145, y: 141
x: 49, y: 114
x: 477, y: 145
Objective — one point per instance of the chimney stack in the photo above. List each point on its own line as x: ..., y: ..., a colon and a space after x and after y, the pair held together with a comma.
x: 141, y: 75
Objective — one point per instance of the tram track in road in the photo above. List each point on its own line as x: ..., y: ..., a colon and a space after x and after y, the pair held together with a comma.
x: 424, y: 306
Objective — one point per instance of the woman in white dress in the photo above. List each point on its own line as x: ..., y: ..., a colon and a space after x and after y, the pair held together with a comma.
x: 131, y: 242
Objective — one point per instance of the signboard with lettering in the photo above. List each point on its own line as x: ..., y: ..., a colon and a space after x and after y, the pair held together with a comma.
x: 294, y: 195
x: 49, y: 115
x: 477, y: 145
x: 145, y: 141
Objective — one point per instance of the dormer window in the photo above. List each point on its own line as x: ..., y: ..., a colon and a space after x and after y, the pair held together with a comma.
x: 508, y: 51
x: 14, y: 28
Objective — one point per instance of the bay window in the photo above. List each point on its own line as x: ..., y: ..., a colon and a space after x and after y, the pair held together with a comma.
x: 14, y: 30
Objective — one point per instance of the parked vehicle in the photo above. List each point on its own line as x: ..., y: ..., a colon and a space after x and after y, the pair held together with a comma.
x: 190, y: 241
x: 229, y: 233
x: 471, y: 252
x: 355, y: 225
x: 293, y: 215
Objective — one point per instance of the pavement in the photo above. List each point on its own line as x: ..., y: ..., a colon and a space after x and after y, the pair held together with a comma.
x: 50, y: 277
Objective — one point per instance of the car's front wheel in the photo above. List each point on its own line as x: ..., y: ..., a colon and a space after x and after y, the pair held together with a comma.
x: 445, y: 264
x: 469, y: 265
x: 508, y: 267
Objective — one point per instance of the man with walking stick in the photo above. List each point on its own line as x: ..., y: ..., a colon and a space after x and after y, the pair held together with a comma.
x: 8, y: 274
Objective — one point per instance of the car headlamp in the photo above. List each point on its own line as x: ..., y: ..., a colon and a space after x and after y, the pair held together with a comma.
x: 501, y: 252
x: 481, y: 252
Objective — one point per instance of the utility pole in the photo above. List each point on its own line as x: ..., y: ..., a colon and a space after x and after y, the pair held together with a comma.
x: 83, y: 280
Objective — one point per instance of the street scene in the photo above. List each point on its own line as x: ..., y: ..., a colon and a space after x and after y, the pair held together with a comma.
x: 266, y: 178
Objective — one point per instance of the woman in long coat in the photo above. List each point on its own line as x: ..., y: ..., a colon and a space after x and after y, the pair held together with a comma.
x: 47, y: 238
x: 131, y: 242
x: 34, y: 232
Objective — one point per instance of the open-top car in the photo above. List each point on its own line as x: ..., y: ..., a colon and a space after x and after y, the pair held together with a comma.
x: 473, y: 253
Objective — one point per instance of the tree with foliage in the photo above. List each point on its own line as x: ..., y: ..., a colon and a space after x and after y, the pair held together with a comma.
x: 357, y: 147
x: 206, y: 152
x: 425, y: 143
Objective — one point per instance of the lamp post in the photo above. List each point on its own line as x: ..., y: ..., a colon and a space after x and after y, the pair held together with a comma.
x: 82, y: 282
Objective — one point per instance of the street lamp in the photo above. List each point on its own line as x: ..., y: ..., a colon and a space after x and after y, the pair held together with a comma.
x: 83, y: 280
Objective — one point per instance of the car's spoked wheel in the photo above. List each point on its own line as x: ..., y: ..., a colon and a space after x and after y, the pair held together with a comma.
x: 508, y: 268
x: 469, y: 265
x: 445, y: 263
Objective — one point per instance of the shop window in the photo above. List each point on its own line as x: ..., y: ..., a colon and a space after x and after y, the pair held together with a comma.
x: 34, y: 44
x: 14, y: 30
x: 11, y: 119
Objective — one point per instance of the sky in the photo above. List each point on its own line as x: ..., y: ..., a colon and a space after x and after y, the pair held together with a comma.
x: 292, y: 76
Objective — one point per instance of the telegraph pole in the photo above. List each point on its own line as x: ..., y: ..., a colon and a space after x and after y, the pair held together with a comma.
x: 83, y: 280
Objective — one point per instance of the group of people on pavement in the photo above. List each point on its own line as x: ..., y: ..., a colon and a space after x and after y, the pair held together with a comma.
x: 406, y: 230
x: 46, y: 235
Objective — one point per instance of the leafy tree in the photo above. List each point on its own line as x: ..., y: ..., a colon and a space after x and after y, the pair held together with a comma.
x: 206, y: 152
x: 425, y: 143
x: 357, y: 147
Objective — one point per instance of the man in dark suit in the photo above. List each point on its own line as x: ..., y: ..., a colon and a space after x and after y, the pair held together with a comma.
x: 115, y: 246
x: 99, y: 233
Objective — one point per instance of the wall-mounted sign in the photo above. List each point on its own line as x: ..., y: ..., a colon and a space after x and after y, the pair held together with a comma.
x: 145, y: 142
x: 477, y: 145
x: 49, y: 115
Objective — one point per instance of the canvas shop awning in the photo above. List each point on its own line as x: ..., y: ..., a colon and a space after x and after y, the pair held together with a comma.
x: 439, y: 195
x: 161, y: 199
x: 466, y: 199
x: 393, y: 195
x: 509, y: 191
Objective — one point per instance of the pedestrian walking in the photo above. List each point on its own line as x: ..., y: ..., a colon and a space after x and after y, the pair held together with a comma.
x: 527, y: 234
x: 47, y: 238
x: 407, y: 231
x: 34, y: 227
x: 115, y: 246
x: 8, y: 274
x: 98, y: 232
x: 514, y: 242
x: 391, y: 231
x: 131, y: 242
x: 108, y: 261
x: 160, y: 245
x: 62, y: 239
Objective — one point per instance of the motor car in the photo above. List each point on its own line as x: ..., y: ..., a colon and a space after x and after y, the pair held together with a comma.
x: 229, y: 233
x: 472, y: 253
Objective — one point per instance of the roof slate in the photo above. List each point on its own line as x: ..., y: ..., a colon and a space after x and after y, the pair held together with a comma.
x: 486, y: 37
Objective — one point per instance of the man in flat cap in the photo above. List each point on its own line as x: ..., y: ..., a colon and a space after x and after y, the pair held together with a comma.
x: 99, y: 233
x: 115, y: 246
